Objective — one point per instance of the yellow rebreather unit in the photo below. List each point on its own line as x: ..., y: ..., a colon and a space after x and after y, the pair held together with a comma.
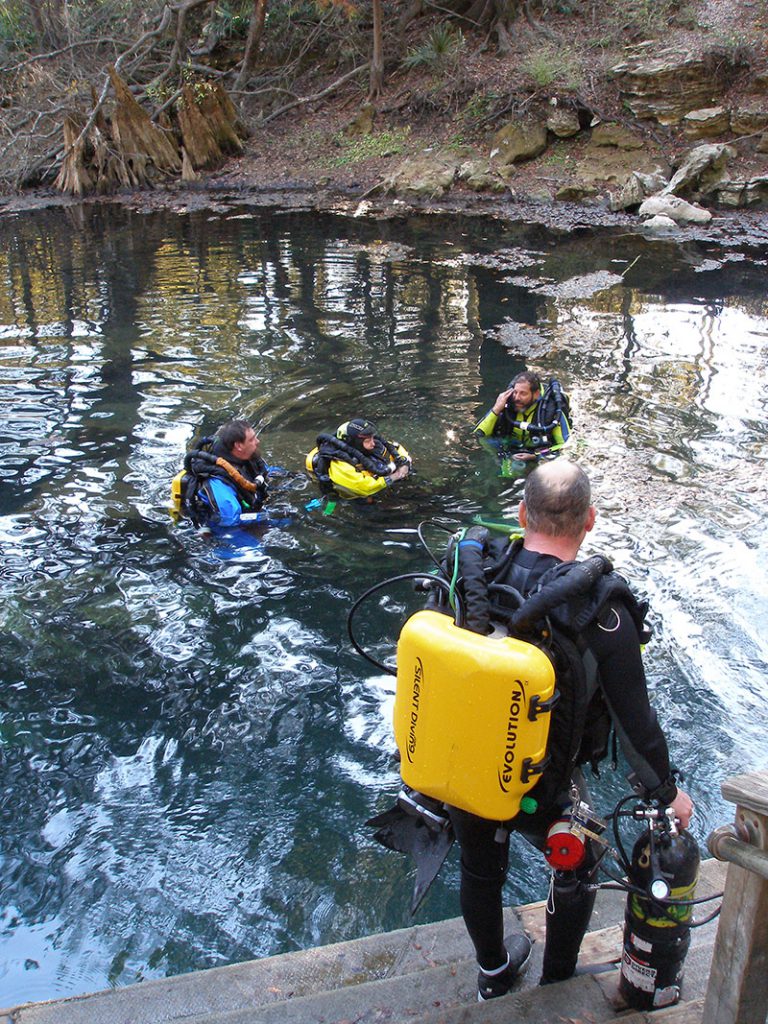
x: 463, y: 716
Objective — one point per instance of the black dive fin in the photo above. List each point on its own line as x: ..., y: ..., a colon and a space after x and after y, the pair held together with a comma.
x: 406, y: 833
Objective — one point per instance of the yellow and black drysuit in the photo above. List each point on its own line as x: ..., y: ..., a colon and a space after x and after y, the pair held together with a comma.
x: 340, y: 467
x: 594, y: 643
x: 215, y: 488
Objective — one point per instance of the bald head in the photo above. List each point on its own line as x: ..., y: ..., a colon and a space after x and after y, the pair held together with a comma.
x: 557, y: 500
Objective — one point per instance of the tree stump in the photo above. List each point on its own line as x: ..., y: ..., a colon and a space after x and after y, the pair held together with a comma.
x: 138, y: 141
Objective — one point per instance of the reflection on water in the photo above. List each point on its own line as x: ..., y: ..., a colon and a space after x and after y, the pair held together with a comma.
x: 189, y: 745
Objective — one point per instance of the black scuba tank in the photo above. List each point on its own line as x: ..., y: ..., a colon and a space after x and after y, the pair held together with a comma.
x: 657, y: 933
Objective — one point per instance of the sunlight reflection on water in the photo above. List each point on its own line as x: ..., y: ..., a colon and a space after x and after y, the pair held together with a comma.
x: 191, y: 746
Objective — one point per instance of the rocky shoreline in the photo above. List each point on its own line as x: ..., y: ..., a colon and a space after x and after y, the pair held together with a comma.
x: 217, y: 196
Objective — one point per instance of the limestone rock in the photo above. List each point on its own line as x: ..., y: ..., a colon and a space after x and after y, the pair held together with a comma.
x: 660, y: 224
x: 614, y: 166
x: 478, y: 175
x: 707, y: 123
x: 666, y: 84
x: 762, y: 146
x: 701, y: 170
x: 612, y: 134
x: 362, y: 123
x: 675, y: 209
x: 635, y: 189
x: 428, y: 174
x: 563, y: 122
x: 515, y: 143
x: 575, y: 192
x: 748, y: 120
x: 740, y: 194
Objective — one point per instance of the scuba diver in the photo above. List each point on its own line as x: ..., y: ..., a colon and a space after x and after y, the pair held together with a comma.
x: 356, y: 462
x: 524, y: 426
x: 534, y: 595
x: 224, y: 480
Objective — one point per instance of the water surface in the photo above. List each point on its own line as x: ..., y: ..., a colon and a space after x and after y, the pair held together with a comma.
x: 189, y: 745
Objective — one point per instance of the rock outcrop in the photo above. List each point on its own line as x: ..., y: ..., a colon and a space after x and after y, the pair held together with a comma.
x: 665, y: 85
x: 676, y: 209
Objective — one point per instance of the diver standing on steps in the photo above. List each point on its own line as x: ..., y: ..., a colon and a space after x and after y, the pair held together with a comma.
x: 508, y: 683
x: 556, y: 514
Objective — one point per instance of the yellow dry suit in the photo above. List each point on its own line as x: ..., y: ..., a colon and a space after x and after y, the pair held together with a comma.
x: 341, y: 468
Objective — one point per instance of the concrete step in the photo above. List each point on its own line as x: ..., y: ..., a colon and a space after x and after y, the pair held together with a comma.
x: 423, y: 975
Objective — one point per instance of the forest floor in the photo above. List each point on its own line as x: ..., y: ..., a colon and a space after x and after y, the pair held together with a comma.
x: 308, y: 157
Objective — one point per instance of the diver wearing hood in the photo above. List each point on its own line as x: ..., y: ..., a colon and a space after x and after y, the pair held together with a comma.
x: 356, y: 462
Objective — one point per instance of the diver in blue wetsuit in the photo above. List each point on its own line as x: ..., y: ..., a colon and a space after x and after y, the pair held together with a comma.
x: 224, y: 480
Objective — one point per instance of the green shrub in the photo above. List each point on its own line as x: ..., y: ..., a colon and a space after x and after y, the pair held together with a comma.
x: 550, y: 65
x: 442, y: 49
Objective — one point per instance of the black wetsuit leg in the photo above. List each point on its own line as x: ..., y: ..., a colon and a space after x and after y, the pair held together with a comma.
x: 484, y: 863
x: 483, y: 873
x: 570, y: 902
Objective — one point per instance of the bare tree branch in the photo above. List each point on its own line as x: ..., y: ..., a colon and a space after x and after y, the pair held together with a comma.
x: 181, y: 11
x: 319, y: 95
x: 57, y: 53
x: 153, y: 33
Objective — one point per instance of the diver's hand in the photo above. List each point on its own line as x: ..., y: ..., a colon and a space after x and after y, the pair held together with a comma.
x: 501, y: 401
x: 400, y: 473
x: 682, y: 805
x: 525, y: 456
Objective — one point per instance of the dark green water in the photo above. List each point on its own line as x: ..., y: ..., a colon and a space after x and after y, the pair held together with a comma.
x: 189, y: 745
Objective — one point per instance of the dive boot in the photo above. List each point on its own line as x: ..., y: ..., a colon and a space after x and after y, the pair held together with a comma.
x: 492, y: 984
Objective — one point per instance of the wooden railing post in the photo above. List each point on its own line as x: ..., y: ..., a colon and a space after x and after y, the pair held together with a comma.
x: 738, y: 981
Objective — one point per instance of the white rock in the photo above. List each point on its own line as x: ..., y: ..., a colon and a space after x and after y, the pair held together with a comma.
x: 675, y: 208
x: 660, y: 223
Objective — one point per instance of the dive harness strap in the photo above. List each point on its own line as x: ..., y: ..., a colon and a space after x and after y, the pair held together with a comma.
x: 216, y: 460
x: 553, y: 396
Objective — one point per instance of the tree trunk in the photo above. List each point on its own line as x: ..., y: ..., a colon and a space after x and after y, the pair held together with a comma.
x: 376, y: 81
x: 49, y: 21
x: 253, y: 42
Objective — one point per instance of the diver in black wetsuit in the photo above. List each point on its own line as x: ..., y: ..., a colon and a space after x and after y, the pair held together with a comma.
x: 556, y: 515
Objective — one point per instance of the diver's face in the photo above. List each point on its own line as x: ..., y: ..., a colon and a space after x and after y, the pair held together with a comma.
x: 523, y: 395
x: 247, y: 447
x: 368, y: 442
